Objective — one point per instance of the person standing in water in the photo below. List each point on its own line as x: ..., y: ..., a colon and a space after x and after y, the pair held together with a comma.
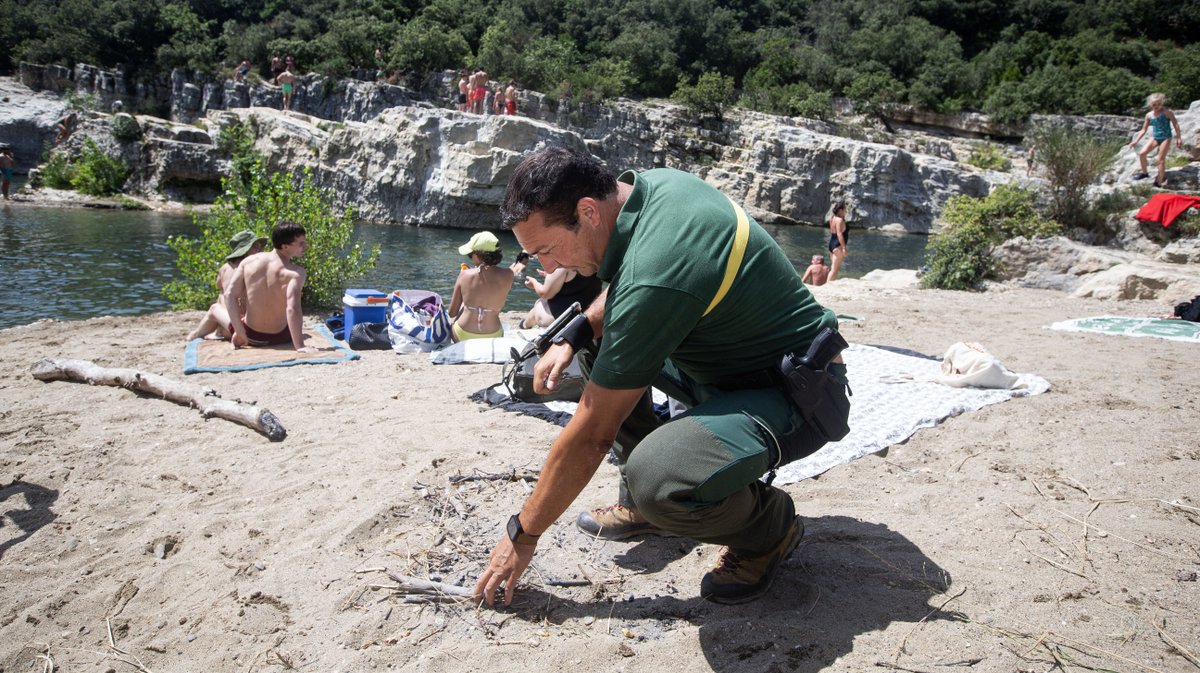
x: 838, y: 235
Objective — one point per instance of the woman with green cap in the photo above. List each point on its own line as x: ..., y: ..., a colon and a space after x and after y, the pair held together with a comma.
x: 480, y: 292
x: 242, y: 245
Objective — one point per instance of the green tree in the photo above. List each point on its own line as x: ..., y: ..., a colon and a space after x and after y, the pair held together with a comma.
x: 331, y: 262
x: 604, y: 79
x: 959, y: 255
x: 191, y: 44
x: 1180, y: 74
x: 708, y: 97
x: 423, y: 47
x: 875, y: 93
x: 650, y: 52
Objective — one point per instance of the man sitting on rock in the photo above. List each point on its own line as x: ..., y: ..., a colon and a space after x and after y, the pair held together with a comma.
x: 268, y: 286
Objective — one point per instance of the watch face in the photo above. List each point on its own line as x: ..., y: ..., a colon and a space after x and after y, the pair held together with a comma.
x: 514, y: 528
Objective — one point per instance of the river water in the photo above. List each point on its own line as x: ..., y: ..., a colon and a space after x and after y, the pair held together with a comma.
x: 71, y: 264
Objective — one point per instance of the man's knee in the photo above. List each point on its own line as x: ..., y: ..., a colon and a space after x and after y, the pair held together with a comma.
x: 684, y: 465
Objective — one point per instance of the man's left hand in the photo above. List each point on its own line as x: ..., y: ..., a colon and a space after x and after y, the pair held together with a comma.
x: 505, y: 566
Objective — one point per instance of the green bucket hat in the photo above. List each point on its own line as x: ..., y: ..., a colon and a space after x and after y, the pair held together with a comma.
x: 241, y: 243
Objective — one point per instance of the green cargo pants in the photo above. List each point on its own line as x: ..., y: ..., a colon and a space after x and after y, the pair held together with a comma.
x: 697, y: 475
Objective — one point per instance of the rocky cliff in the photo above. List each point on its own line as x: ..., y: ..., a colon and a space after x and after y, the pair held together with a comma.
x: 396, y: 158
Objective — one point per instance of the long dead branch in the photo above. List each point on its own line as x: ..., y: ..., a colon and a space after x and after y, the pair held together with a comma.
x: 197, y: 397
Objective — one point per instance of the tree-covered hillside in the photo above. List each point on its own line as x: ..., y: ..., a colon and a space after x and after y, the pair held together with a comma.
x: 1009, y: 58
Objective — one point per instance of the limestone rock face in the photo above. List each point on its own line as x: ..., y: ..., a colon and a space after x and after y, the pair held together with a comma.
x: 27, y: 121
x: 1086, y: 271
x: 1141, y: 280
x: 1056, y: 263
x: 430, y: 166
x: 411, y: 165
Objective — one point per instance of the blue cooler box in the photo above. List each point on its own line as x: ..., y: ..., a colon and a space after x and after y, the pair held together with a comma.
x: 363, y: 305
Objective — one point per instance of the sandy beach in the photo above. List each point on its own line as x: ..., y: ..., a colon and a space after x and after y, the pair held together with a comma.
x: 1056, y: 532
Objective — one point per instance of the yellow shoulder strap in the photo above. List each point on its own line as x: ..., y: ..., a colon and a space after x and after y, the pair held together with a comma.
x: 735, y: 256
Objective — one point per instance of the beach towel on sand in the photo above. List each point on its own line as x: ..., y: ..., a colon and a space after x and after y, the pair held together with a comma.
x: 216, y: 355
x: 1175, y: 330
x: 895, y: 394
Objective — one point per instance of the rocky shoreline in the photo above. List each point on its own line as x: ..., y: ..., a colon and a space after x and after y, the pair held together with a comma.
x: 409, y: 162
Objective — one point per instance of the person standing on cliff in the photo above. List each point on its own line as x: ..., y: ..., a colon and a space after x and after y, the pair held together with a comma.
x: 1159, y: 120
x: 510, y: 98
x: 287, y: 82
x: 478, y: 90
x: 464, y: 89
x: 276, y: 69
x: 6, y: 169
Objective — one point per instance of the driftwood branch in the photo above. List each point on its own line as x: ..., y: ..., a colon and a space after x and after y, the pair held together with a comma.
x: 428, y: 588
x: 188, y: 394
x: 488, y: 476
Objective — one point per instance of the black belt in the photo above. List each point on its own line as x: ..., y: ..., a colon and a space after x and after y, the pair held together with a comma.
x: 768, y: 377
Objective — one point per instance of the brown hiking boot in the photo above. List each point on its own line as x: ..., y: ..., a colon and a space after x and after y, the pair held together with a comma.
x: 738, y: 578
x: 616, y: 522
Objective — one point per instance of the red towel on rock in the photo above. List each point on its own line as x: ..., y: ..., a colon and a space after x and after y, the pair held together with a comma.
x: 1166, y: 207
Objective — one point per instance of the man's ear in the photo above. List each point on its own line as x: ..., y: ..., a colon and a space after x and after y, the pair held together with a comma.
x: 587, y: 210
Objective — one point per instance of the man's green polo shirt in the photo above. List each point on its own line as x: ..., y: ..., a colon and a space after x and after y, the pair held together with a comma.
x: 664, y: 263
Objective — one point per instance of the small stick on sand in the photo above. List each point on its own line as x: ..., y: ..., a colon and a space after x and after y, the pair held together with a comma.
x: 900, y: 647
x: 197, y: 397
x: 415, y: 585
x: 122, y: 655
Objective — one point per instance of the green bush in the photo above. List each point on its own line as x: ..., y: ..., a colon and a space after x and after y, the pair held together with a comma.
x: 1072, y: 161
x: 93, y: 172
x: 989, y: 157
x: 125, y: 129
x: 96, y: 173
x: 56, y: 171
x: 267, y: 198
x: 959, y: 256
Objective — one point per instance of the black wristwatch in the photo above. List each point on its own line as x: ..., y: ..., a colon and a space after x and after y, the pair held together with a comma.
x: 517, y: 534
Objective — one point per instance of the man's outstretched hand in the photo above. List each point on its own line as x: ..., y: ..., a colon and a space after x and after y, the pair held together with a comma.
x: 505, y: 566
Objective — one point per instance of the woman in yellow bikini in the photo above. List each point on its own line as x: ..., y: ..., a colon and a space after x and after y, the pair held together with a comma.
x: 480, y: 292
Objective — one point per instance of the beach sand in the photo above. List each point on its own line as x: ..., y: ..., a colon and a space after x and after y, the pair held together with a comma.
x: 1057, y: 530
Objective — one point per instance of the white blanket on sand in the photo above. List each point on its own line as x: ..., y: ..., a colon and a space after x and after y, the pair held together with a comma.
x: 894, y: 395
x: 883, y: 413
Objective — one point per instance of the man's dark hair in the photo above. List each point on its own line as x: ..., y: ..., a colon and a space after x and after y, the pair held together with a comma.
x: 285, y: 232
x: 491, y: 258
x: 552, y: 181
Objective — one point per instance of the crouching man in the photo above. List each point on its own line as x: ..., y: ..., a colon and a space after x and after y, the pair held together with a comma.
x: 268, y: 286
x: 702, y: 304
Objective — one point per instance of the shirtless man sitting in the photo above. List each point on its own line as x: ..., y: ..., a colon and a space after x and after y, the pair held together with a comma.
x: 268, y: 285
x: 816, y: 273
